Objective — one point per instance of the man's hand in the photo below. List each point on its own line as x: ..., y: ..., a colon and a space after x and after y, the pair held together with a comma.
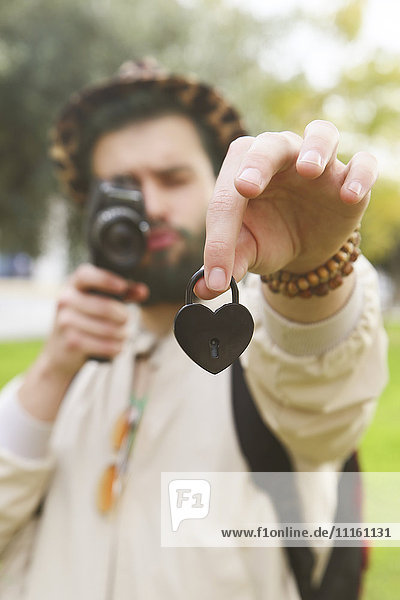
x: 282, y: 201
x: 85, y: 325
x: 88, y: 324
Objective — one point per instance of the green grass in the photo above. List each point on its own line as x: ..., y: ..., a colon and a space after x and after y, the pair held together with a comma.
x: 380, y: 450
x: 15, y: 357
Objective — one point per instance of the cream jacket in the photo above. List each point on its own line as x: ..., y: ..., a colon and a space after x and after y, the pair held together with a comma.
x: 315, y: 385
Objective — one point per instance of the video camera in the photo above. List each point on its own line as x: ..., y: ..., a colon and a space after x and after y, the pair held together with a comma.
x: 116, y: 227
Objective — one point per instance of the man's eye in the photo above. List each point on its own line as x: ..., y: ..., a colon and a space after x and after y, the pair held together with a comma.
x: 176, y: 181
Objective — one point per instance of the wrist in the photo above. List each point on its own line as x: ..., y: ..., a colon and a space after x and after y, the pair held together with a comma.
x: 320, y: 280
x: 20, y: 433
x: 316, y: 308
x: 314, y: 336
x: 44, y: 387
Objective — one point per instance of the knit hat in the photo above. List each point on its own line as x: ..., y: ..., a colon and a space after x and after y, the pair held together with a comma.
x: 197, y: 99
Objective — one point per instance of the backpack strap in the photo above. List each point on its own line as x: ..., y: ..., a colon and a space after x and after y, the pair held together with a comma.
x: 265, y: 454
x: 343, y: 575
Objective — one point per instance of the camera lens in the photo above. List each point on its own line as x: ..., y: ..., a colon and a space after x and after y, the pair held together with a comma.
x: 118, y: 239
x: 121, y: 241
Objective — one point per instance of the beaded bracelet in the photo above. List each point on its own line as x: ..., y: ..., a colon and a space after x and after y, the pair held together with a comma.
x: 321, y: 280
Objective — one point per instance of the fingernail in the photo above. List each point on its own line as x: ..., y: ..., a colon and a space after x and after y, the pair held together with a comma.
x: 355, y: 187
x: 251, y: 176
x: 217, y: 279
x: 313, y: 157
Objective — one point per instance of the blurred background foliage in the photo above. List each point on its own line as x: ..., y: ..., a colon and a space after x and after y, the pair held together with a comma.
x: 49, y: 48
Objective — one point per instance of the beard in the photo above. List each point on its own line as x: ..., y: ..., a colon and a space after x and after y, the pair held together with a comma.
x: 167, y: 272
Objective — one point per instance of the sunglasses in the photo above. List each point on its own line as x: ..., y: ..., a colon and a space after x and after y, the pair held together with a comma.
x: 123, y: 435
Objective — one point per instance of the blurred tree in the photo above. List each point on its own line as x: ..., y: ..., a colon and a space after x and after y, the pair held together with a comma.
x: 349, y: 18
x: 365, y: 104
x: 381, y: 225
x: 49, y: 48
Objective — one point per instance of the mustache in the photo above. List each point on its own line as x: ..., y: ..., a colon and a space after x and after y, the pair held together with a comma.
x: 160, y: 226
x: 167, y: 271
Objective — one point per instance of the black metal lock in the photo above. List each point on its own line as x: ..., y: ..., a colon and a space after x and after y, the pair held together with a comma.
x: 213, y: 340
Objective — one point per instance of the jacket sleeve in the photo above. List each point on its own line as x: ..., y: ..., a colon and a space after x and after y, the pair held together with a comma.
x: 316, y: 384
x: 25, y: 464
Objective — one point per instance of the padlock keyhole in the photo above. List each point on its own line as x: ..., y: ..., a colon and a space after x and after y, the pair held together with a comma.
x: 214, y: 348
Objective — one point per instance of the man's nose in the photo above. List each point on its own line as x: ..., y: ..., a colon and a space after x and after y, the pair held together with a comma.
x: 155, y: 201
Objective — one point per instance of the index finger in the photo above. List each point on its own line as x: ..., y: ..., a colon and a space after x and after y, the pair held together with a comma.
x: 224, y: 220
x: 89, y: 277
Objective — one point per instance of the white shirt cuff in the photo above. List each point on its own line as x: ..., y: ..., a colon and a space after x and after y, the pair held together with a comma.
x: 303, y: 339
x: 21, y: 434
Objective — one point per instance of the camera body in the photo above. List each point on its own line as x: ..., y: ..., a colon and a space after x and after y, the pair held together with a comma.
x: 116, y: 227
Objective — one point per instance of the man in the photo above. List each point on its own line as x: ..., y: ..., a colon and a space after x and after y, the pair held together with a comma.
x: 280, y: 204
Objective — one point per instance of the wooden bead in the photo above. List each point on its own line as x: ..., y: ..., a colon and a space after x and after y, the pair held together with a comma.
x: 341, y: 257
x: 335, y: 282
x: 327, y: 277
x: 322, y: 289
x: 332, y: 265
x: 323, y: 274
x: 355, y: 238
x: 303, y: 283
x: 274, y: 286
x: 282, y: 288
x: 355, y: 254
x: 292, y: 288
x: 313, y: 278
x: 348, y: 247
x: 347, y: 269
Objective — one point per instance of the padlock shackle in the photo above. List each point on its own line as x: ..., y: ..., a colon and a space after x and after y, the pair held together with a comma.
x: 189, y: 294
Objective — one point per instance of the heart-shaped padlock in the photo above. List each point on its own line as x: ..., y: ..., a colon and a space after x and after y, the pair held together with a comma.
x: 213, y: 340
